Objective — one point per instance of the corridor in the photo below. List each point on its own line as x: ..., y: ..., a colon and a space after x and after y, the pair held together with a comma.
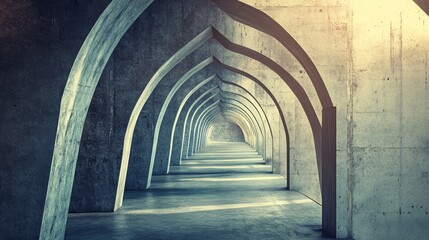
x: 224, y: 191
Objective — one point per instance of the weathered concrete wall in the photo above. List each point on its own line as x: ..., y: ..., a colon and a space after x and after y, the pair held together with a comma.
x: 372, y: 56
x: 389, y: 96
x: 165, y: 132
x: 178, y: 130
x: 323, y: 35
x: 38, y: 44
x: 373, y: 59
x: 98, y: 167
x: 222, y: 130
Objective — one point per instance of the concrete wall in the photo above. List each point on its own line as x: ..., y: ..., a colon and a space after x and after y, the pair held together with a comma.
x: 38, y: 44
x: 373, y: 58
x: 223, y: 131
x: 389, y: 96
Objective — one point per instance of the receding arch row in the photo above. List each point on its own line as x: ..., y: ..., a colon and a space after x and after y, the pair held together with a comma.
x: 263, y: 131
x: 197, y: 127
x: 187, y: 133
x: 199, y: 66
x: 151, y: 168
x: 177, y: 85
x: 257, y: 105
x: 192, y: 139
x: 279, y: 109
x: 97, y: 48
x: 179, y: 56
x: 243, y: 125
x: 247, y: 125
x: 173, y: 61
x: 209, y: 125
x: 248, y: 131
x: 245, y: 74
x: 252, y: 103
x: 233, y: 116
x: 179, y: 111
x: 237, y: 117
x: 259, y: 110
x: 196, y: 42
x: 253, y: 114
x: 260, y: 84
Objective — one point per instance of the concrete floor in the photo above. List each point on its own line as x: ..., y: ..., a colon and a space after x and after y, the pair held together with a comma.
x: 223, y: 192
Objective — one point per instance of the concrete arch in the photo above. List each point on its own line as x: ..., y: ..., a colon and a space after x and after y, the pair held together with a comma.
x: 293, y: 84
x: 78, y: 92
x: 186, y: 122
x: 187, y: 141
x: 207, y: 126
x: 257, y: 19
x: 85, y: 73
x: 246, y: 131
x: 156, y: 78
x: 257, y: 132
x: 211, y: 127
x: 204, y: 118
x: 197, y: 126
x: 239, y: 118
x: 165, y: 167
x: 243, y: 123
x: 164, y: 107
x: 276, y: 103
x: 194, y: 127
x: 245, y: 74
x: 197, y: 137
x: 179, y: 56
x: 258, y: 106
x: 178, y: 137
x: 250, y: 138
x: 249, y: 129
x: 261, y: 117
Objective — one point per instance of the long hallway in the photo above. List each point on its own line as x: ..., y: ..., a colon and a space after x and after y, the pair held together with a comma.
x: 224, y: 191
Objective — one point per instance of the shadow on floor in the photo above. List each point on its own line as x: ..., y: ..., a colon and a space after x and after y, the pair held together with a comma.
x: 234, y: 199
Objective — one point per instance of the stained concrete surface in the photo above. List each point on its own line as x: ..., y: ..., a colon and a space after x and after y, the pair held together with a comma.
x: 226, y: 191
x: 222, y: 130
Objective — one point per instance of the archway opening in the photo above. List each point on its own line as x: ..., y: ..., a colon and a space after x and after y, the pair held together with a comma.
x: 69, y: 131
x: 222, y: 130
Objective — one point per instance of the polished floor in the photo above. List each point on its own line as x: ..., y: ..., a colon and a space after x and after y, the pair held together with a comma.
x: 223, y: 192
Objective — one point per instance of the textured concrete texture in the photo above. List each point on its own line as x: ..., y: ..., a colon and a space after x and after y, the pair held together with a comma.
x: 221, y: 130
x: 223, y: 192
x: 68, y: 93
x: 39, y: 43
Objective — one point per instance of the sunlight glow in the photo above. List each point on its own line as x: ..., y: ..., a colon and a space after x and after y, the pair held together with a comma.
x: 229, y: 167
x: 217, y: 179
x: 248, y: 161
x: 215, y: 207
